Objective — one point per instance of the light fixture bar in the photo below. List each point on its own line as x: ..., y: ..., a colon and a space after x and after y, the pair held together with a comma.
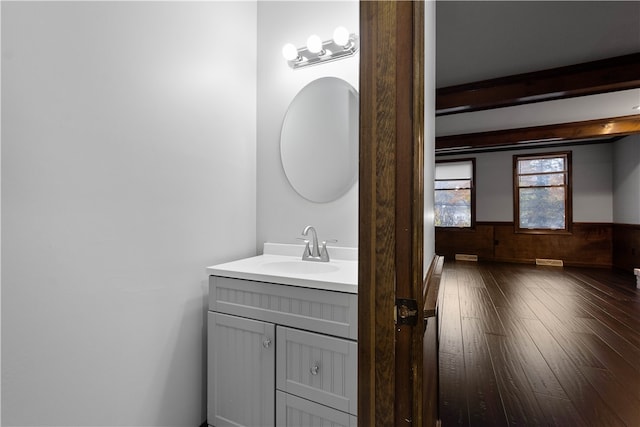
x: 331, y: 51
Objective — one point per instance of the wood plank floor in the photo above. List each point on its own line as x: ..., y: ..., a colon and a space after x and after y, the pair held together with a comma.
x: 523, y: 345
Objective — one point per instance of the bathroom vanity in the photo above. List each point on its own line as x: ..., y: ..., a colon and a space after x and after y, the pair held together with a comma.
x: 282, y: 340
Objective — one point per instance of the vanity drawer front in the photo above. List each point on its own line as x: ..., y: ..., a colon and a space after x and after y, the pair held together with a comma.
x: 328, y: 312
x: 318, y: 368
x: 292, y: 411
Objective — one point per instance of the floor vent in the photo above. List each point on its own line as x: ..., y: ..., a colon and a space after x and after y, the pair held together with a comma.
x: 465, y: 257
x: 553, y: 262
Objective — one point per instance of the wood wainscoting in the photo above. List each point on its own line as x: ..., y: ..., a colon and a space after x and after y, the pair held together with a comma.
x: 430, y: 344
x: 589, y: 244
x: 626, y: 246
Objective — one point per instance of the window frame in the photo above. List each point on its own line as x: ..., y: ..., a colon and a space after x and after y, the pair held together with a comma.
x: 568, y: 194
x: 473, y: 193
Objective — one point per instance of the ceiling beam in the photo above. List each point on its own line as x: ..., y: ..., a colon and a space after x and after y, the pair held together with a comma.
x: 589, y: 78
x: 615, y: 126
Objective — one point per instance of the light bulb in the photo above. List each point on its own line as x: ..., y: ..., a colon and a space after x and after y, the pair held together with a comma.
x: 314, y: 44
x: 289, y: 51
x: 341, y: 36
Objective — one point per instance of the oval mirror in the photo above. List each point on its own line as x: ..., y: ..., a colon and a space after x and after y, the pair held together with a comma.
x: 319, y: 140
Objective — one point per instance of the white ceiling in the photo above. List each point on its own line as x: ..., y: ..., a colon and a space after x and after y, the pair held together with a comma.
x: 613, y: 104
x: 479, y: 40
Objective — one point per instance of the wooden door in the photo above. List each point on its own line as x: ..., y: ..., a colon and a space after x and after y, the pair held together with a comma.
x: 390, y: 212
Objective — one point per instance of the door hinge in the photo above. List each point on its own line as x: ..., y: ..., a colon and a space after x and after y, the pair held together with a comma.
x: 406, y: 312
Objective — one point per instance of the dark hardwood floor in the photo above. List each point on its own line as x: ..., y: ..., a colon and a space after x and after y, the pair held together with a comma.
x: 523, y: 345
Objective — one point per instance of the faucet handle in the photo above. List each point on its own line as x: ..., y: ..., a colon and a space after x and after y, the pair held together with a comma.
x: 324, y: 253
x: 307, y: 249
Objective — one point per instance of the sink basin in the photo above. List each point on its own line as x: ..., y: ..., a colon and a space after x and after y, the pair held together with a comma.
x: 299, y: 267
x: 283, y: 264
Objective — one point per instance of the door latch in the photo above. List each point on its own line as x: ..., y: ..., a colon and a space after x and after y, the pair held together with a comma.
x: 406, y: 312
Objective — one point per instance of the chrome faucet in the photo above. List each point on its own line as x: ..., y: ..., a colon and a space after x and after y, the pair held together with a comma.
x: 315, y: 253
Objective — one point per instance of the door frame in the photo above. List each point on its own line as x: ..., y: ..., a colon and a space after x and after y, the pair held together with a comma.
x: 390, y: 242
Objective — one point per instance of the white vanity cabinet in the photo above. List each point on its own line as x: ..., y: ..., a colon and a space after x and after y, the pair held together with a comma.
x: 241, y: 356
x: 293, y: 411
x: 280, y: 354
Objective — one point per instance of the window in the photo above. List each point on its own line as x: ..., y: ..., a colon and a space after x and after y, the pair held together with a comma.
x: 455, y: 194
x: 542, y: 193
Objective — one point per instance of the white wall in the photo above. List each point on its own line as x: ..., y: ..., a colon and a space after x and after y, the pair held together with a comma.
x: 128, y: 166
x: 592, y: 183
x: 282, y: 213
x: 0, y: 220
x: 626, y: 180
x: 429, y: 129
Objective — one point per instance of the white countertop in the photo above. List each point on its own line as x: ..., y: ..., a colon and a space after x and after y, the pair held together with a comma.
x: 282, y: 263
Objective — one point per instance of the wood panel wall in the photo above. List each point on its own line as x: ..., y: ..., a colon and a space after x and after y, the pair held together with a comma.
x: 626, y: 246
x: 430, y: 343
x: 590, y: 244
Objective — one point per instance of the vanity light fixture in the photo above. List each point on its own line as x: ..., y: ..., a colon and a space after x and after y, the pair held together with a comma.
x: 343, y: 45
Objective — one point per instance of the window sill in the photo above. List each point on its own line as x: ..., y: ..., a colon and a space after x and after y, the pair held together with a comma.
x: 542, y: 231
x: 462, y: 229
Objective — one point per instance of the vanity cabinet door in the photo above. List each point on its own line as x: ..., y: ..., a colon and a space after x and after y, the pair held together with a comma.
x: 241, y: 371
x: 293, y: 411
x: 319, y: 368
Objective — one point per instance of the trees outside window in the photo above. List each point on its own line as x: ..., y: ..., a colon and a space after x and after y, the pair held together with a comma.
x: 542, y: 192
x: 454, y: 194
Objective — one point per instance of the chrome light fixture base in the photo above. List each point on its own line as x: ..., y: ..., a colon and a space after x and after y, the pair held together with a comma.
x: 331, y: 51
